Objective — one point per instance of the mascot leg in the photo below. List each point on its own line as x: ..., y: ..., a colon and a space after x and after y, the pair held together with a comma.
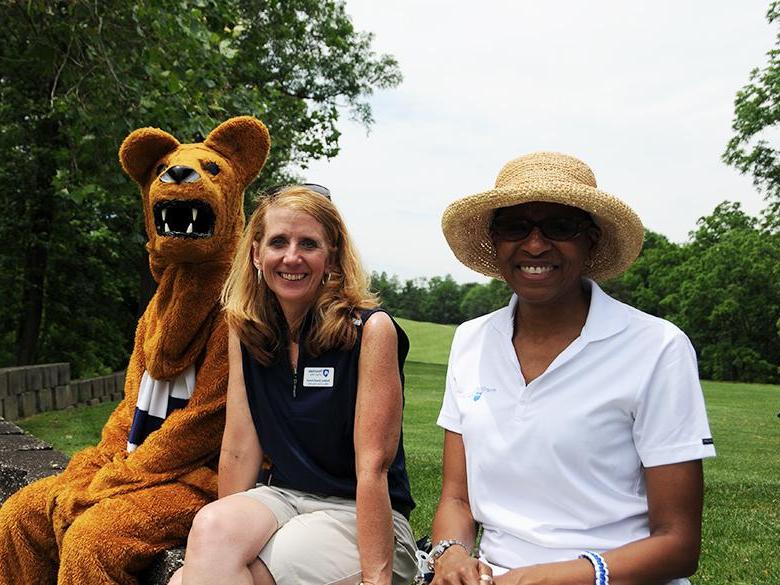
x: 117, y: 538
x: 28, y: 549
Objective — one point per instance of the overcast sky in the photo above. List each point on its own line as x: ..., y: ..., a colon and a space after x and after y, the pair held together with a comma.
x: 641, y: 91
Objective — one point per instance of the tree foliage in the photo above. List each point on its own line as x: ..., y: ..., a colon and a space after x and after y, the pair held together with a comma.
x: 722, y: 288
x: 756, y: 110
x: 77, y: 77
x: 439, y: 299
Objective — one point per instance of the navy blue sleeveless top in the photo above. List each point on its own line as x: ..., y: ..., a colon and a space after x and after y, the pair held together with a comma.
x: 305, y: 419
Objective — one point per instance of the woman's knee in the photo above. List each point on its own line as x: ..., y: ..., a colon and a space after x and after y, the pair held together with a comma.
x: 234, y: 523
x: 210, y: 528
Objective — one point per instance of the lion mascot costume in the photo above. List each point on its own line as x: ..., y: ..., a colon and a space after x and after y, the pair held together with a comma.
x: 119, y: 504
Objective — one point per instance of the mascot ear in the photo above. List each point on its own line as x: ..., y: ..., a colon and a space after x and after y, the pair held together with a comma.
x: 142, y: 148
x: 244, y: 141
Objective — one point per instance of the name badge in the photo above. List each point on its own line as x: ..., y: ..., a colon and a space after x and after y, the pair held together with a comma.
x: 318, y: 377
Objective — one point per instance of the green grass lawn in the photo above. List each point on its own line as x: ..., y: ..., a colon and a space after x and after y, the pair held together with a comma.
x: 742, y: 505
x: 430, y: 342
x: 741, y: 531
x: 70, y: 430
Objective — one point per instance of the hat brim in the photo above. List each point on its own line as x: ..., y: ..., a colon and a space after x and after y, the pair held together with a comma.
x: 466, y: 225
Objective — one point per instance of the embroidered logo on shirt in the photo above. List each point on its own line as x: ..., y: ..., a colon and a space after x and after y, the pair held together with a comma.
x: 318, y: 377
x: 480, y: 391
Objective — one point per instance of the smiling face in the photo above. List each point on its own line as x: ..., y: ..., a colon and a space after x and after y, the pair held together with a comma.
x: 539, y: 269
x: 294, y: 255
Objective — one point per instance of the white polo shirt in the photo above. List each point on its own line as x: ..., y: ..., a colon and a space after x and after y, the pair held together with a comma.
x: 555, y: 466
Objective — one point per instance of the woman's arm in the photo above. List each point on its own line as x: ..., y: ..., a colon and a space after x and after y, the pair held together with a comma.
x: 674, y: 498
x: 378, y: 414
x: 453, y: 519
x: 241, y: 455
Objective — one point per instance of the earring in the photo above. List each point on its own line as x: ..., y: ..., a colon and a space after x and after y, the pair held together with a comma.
x: 259, y: 275
x: 325, y: 278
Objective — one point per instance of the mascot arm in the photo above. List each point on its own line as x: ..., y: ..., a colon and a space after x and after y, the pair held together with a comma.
x: 188, y: 439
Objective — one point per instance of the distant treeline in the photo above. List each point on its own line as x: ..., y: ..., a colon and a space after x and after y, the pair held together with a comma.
x: 722, y: 288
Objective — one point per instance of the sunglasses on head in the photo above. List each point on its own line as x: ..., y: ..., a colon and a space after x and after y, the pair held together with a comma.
x: 559, y: 229
x: 319, y: 189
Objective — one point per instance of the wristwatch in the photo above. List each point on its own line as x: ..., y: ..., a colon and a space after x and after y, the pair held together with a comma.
x: 439, y: 550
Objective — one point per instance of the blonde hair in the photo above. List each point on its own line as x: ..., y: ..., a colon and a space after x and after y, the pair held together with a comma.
x: 252, y: 308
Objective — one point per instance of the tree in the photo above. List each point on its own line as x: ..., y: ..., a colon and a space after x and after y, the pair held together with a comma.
x: 757, y: 109
x: 481, y: 299
x: 411, y: 301
x: 729, y: 299
x: 387, y: 288
x: 722, y: 288
x: 728, y: 302
x: 725, y: 218
x: 650, y: 279
x: 442, y: 303
x: 77, y: 77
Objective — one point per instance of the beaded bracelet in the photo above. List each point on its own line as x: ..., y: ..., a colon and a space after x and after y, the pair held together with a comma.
x: 600, y: 566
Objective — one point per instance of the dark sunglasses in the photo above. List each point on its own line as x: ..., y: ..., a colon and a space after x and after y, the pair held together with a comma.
x: 319, y: 189
x: 559, y: 229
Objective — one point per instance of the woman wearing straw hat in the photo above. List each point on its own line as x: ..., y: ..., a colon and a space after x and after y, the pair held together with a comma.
x: 574, y: 424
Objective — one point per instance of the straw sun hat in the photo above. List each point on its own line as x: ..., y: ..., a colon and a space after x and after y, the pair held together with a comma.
x: 555, y: 178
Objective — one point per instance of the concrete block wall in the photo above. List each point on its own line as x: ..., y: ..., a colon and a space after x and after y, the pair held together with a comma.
x: 29, y: 390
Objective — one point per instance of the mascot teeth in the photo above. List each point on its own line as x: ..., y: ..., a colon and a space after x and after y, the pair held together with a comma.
x: 184, y: 218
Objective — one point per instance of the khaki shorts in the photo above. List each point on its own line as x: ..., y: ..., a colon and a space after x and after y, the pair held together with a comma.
x: 316, y: 543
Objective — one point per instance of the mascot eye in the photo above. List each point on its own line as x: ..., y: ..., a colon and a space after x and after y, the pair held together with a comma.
x: 212, y: 168
x: 160, y: 168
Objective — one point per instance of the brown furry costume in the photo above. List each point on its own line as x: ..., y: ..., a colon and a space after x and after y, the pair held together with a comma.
x: 107, y: 515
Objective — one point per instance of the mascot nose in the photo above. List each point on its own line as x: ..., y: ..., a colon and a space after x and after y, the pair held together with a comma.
x: 180, y: 174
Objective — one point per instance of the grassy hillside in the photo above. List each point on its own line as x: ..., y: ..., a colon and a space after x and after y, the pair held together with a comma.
x: 742, y: 500
x: 430, y: 342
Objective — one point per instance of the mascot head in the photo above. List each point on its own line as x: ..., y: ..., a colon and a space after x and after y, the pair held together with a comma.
x: 193, y: 193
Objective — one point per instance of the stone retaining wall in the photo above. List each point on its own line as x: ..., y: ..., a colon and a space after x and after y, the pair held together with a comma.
x: 24, y: 458
x: 29, y: 390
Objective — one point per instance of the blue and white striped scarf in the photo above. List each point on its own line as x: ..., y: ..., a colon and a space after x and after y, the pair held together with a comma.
x: 156, y: 400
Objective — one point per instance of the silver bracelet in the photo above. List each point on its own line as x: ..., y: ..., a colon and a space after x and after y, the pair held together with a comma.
x: 440, y: 548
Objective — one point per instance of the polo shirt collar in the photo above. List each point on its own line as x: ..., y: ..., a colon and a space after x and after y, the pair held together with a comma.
x: 606, y: 316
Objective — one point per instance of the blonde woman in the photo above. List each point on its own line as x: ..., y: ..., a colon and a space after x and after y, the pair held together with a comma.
x: 316, y: 389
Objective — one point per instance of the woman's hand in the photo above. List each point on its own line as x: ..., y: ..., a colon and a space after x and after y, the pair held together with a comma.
x: 457, y: 567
